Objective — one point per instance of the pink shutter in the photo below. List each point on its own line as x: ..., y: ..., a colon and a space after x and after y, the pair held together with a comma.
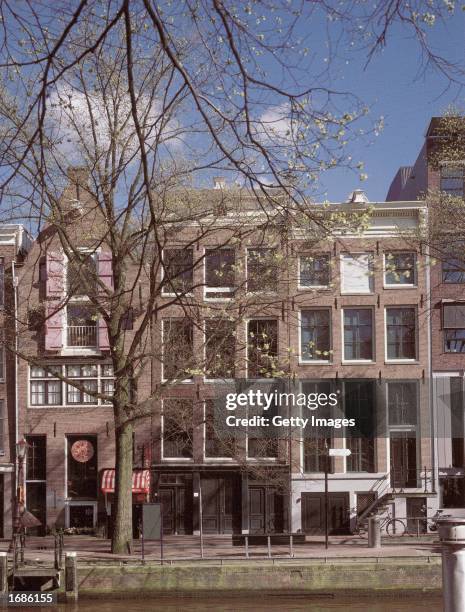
x: 103, y: 342
x: 53, y: 328
x: 105, y: 269
x: 55, y: 268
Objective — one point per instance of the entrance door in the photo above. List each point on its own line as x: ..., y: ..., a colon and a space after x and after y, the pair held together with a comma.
x: 36, y: 504
x: 403, y: 459
x: 220, y: 504
x: 177, y: 508
x: 313, y: 513
x: 266, y: 510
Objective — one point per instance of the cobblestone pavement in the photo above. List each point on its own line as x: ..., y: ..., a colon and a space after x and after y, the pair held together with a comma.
x: 219, y: 547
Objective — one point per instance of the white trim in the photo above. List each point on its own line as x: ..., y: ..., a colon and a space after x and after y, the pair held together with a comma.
x: 162, y: 273
x: 206, y: 288
x: 204, y: 429
x: 162, y: 363
x: 162, y: 438
x: 247, y: 321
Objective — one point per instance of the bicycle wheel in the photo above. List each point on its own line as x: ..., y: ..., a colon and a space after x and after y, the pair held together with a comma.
x: 395, y: 527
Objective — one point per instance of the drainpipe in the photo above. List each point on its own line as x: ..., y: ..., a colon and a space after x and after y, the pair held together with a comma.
x: 432, y: 403
x: 15, y: 306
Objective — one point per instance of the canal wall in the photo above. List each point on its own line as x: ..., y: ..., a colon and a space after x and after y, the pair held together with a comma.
x: 331, y: 576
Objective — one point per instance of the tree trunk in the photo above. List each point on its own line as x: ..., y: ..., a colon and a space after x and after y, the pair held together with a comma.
x: 121, y: 542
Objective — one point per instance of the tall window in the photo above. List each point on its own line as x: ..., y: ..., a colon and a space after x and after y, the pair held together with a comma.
x: 317, y: 441
x: 36, y: 458
x: 401, y: 333
x: 402, y: 403
x: 262, y: 348
x: 359, y: 398
x: 357, y: 273
x: 178, y: 274
x: 314, y: 271
x: 399, y: 268
x: 262, y: 270
x: 219, y: 273
x: 220, y: 348
x: 452, y: 179
x: 358, y: 334
x: 177, y: 348
x: 218, y: 441
x: 81, y: 325
x: 3, y: 433
x: 315, y: 335
x: 177, y: 429
x: 453, y: 322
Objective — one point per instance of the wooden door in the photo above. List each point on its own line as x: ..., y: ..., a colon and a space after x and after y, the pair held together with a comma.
x: 167, y: 496
x: 219, y: 500
x: 36, y: 504
x: 403, y: 449
x: 257, y: 518
x: 313, y: 513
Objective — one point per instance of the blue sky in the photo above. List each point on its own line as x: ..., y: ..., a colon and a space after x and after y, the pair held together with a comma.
x: 393, y: 87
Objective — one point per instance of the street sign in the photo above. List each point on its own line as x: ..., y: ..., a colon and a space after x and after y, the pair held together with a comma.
x: 339, y: 452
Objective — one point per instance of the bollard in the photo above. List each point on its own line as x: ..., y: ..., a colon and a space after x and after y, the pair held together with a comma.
x: 71, y: 578
x: 3, y: 572
x: 374, y: 532
x: 452, y: 537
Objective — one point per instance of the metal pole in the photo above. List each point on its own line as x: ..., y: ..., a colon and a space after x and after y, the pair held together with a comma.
x: 452, y: 537
x: 326, y: 497
x: 201, y: 518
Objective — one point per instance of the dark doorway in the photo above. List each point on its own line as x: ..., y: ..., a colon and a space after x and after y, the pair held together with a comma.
x: 177, y: 507
x: 364, y: 501
x: 403, y: 459
x: 36, y: 504
x: 81, y: 517
x: 313, y: 513
x: 266, y: 510
x: 416, y: 510
x: 221, y: 508
x: 2, y: 505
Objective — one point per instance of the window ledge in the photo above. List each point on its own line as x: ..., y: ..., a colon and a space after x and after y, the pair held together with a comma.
x: 357, y: 361
x: 357, y: 293
x: 182, y: 459
x: 315, y: 362
x: 400, y: 286
x: 217, y: 381
x: 71, y: 351
x: 394, y: 361
x: 309, y: 287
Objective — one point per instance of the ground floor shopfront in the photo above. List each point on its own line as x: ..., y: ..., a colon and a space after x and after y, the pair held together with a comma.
x: 219, y: 500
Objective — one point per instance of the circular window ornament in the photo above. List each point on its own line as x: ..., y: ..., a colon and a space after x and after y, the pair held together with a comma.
x: 82, y: 451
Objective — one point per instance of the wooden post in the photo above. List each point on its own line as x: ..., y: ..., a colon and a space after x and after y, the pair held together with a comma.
x: 71, y: 576
x: 3, y: 572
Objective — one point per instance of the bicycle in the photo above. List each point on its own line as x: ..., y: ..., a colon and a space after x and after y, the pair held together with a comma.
x: 393, y: 526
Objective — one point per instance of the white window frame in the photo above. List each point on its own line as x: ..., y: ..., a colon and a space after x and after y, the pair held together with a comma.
x: 370, y: 275
x: 400, y: 306
x: 162, y: 437
x: 164, y: 292
x: 247, y: 343
x: 260, y: 292
x: 299, y: 269
x: 206, y: 288
x: 328, y: 361
x: 163, y: 379
x: 413, y: 284
x: 211, y: 459
x: 215, y: 380
x: 99, y: 403
x: 373, y: 335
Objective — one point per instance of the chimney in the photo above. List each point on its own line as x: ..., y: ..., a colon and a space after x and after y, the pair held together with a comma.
x: 219, y: 182
x: 79, y: 175
x: 357, y: 196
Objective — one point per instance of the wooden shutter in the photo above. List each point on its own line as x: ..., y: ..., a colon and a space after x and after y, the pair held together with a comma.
x: 53, y: 327
x: 55, y: 268
x: 105, y: 269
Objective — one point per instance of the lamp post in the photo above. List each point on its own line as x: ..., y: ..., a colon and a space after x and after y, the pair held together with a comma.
x: 21, y: 447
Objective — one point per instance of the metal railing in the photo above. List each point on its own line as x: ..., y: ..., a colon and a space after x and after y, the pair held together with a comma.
x: 82, y: 335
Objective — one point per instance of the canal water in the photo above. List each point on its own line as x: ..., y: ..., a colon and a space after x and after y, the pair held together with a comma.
x: 268, y: 603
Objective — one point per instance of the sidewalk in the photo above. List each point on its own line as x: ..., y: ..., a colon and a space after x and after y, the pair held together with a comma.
x: 217, y: 547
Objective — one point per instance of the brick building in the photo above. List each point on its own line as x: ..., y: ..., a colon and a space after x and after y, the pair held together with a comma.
x: 434, y: 171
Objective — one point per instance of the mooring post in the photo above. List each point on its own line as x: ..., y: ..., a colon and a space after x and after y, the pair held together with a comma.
x: 71, y: 576
x: 452, y: 537
x: 3, y: 572
x: 374, y: 532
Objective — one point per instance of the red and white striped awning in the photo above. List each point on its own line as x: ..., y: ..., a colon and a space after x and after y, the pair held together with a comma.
x: 140, y: 481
